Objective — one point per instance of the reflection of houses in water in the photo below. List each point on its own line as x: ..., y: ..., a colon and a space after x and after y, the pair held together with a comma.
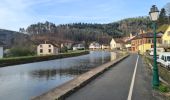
x: 112, y: 56
x: 49, y: 74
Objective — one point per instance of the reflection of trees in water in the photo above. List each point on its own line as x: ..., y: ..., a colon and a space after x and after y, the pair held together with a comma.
x: 51, y: 73
x: 81, y: 67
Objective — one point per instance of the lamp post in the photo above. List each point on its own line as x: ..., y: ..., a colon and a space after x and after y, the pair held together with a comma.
x: 154, y: 15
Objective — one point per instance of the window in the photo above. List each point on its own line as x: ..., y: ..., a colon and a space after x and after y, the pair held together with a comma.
x: 40, y: 46
x: 152, y: 41
x: 49, y: 50
x: 49, y: 45
x: 165, y: 58
x: 168, y: 58
x: 168, y: 33
x: 162, y: 57
x: 149, y: 41
x: 41, y: 50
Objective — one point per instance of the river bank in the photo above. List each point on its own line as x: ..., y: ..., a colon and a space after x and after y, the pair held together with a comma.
x: 29, y: 59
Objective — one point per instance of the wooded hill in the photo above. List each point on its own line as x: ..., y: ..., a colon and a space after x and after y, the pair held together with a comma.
x: 86, y: 32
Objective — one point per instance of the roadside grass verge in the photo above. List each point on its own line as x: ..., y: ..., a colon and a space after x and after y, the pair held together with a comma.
x: 164, y: 88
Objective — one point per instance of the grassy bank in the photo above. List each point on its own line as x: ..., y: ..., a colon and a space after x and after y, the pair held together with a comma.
x: 164, y: 88
x: 29, y: 59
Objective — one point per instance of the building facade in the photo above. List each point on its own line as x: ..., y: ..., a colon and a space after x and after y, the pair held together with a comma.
x: 94, y: 45
x: 116, y: 44
x: 166, y: 38
x: 79, y: 47
x: 144, y: 42
x: 47, y: 49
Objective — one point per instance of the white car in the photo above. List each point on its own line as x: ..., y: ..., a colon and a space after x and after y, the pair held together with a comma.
x: 158, y: 51
x: 164, y: 59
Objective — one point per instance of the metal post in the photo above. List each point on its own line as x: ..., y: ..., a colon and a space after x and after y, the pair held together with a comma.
x: 155, y: 81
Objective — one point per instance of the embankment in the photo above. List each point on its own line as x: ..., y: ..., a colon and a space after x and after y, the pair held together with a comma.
x: 29, y: 59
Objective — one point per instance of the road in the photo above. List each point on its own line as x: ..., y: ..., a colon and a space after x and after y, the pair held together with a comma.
x: 121, y: 82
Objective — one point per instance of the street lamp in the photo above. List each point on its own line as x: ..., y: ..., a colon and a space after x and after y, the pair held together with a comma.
x: 154, y: 15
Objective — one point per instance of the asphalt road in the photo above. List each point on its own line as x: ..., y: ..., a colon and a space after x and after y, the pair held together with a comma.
x: 115, y: 83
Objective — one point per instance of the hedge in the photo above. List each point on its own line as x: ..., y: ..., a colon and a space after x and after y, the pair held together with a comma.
x: 29, y: 59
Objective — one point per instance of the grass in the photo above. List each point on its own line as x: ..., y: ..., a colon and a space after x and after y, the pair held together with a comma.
x: 163, y: 88
x: 29, y: 59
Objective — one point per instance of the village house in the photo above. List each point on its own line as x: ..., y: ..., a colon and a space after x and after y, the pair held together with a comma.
x: 67, y: 44
x: 144, y: 42
x: 116, y: 44
x: 47, y: 49
x: 79, y: 46
x: 166, y: 38
x: 94, y: 46
x: 1, y: 50
x: 105, y: 46
x: 128, y: 45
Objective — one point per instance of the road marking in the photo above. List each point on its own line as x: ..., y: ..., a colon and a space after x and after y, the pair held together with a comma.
x: 133, y: 80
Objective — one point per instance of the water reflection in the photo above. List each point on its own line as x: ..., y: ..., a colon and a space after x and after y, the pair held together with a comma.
x: 113, y: 56
x: 21, y: 82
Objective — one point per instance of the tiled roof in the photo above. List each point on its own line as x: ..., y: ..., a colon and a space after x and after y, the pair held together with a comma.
x: 147, y: 35
x: 119, y: 41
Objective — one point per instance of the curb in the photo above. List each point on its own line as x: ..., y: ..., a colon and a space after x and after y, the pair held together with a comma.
x: 68, y: 88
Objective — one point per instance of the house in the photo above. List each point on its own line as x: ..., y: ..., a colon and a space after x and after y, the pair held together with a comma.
x: 67, y: 44
x: 1, y: 50
x: 166, y: 38
x: 131, y: 35
x: 128, y: 45
x: 94, y: 45
x: 144, y: 42
x: 79, y: 47
x: 116, y: 44
x: 105, y: 46
x: 47, y: 49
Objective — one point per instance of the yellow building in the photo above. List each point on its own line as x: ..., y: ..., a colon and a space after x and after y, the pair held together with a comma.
x: 144, y: 42
x: 166, y: 38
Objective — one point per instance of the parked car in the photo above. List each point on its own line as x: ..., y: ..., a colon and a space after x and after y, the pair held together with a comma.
x: 164, y: 59
x: 158, y: 51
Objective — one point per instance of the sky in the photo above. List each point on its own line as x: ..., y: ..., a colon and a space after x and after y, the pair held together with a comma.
x: 15, y: 14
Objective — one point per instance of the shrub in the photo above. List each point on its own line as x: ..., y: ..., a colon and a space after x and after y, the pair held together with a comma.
x: 20, y: 51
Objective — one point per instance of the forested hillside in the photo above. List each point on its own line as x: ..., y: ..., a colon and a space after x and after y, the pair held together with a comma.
x: 85, y: 31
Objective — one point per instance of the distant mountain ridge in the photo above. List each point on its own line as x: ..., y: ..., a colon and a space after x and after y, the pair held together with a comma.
x: 12, y: 38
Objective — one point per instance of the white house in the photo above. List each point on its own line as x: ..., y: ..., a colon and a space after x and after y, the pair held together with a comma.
x: 94, y: 45
x: 47, y: 49
x: 1, y: 50
x: 116, y: 44
x: 79, y: 47
x: 105, y: 46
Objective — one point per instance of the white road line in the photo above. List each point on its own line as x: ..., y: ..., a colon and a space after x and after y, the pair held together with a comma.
x: 133, y: 80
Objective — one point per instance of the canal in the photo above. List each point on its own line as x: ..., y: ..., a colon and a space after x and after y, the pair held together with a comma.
x: 21, y: 82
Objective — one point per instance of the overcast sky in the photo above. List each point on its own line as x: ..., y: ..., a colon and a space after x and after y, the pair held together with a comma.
x: 21, y: 13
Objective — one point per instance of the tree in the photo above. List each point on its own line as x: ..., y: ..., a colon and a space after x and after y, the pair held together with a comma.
x: 162, y: 17
x: 167, y: 8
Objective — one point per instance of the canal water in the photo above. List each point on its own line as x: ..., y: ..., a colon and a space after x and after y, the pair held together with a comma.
x: 21, y: 82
